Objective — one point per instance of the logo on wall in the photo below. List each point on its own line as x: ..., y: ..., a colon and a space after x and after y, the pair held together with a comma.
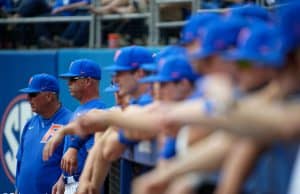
x: 13, y: 120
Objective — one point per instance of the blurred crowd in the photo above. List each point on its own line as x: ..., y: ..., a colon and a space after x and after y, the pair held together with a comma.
x: 76, y: 34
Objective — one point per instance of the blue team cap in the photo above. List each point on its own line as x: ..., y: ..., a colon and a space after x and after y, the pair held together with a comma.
x: 258, y: 44
x: 250, y: 11
x: 83, y: 68
x: 289, y: 26
x: 219, y: 36
x: 172, y: 50
x: 195, y: 25
x: 130, y: 58
x: 175, y: 68
x: 112, y: 88
x: 150, y: 67
x: 42, y: 83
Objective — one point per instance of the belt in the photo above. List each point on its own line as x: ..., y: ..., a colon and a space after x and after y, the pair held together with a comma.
x: 71, y: 179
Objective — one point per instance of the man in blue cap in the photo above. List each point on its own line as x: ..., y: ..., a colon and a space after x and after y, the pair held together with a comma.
x: 175, y: 80
x: 83, y: 81
x: 127, y: 67
x: 33, y: 174
x: 192, y: 31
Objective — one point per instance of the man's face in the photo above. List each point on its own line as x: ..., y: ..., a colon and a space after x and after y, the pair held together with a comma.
x: 38, y: 102
x: 127, y: 82
x: 250, y: 77
x: 169, y: 91
x: 76, y: 86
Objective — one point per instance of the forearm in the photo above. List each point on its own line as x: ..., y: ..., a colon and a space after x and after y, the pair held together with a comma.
x: 264, y: 121
x: 89, y: 163
x: 237, y: 166
x: 75, y: 5
x: 142, y: 122
x: 94, y: 121
x: 205, y: 156
x: 258, y: 120
x: 116, y: 3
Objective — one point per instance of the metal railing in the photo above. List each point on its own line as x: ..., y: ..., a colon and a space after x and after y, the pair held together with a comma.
x: 152, y: 18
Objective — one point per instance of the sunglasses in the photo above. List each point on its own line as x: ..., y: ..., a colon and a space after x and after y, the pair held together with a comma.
x: 33, y: 95
x: 244, y: 64
x: 73, y: 79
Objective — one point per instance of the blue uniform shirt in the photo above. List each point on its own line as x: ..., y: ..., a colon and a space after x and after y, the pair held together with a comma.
x: 35, y: 176
x: 87, y: 144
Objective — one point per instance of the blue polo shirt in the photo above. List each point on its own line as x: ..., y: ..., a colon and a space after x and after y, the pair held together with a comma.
x: 88, y: 143
x: 35, y: 176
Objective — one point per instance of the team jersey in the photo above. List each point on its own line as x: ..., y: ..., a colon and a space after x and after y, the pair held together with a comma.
x: 86, y: 144
x: 35, y: 176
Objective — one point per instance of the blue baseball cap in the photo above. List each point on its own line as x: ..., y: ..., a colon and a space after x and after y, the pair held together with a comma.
x: 112, y: 88
x: 250, y: 11
x: 150, y: 67
x: 175, y: 68
x: 219, y: 36
x: 83, y: 68
x: 195, y: 25
x: 172, y: 50
x: 42, y: 83
x: 260, y: 44
x: 130, y: 58
x: 289, y: 26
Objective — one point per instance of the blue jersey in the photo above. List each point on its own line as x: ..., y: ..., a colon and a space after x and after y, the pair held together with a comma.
x: 168, y: 151
x: 87, y: 144
x: 35, y: 176
x: 61, y: 3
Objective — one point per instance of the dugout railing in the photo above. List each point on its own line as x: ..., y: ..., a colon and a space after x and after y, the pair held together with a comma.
x: 151, y: 18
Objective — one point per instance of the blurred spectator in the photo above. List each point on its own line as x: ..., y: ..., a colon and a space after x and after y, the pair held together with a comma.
x: 120, y: 6
x: 215, y: 4
x: 133, y: 31
x: 175, y: 11
x: 75, y: 34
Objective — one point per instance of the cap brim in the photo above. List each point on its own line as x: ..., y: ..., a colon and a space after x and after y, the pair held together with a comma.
x: 201, y: 54
x: 111, y: 89
x: 116, y: 68
x: 149, y: 67
x: 272, y: 60
x: 236, y: 55
x: 29, y: 90
x: 155, y: 78
x: 68, y: 75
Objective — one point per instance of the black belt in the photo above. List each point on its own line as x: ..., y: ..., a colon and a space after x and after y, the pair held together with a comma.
x: 71, y: 179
